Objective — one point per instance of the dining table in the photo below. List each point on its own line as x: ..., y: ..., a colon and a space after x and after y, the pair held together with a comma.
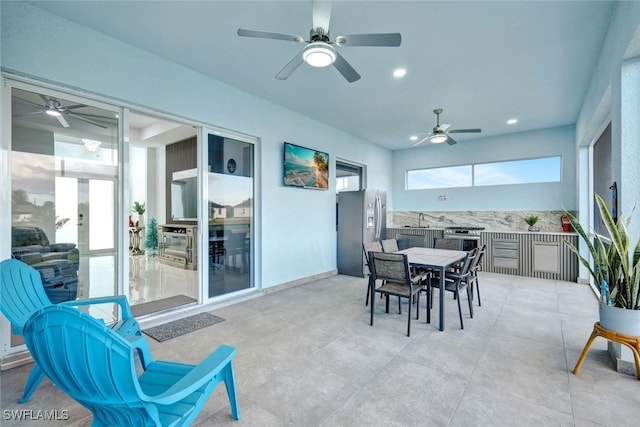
x: 439, y: 260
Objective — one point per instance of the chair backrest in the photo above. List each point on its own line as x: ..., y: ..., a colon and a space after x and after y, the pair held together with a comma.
x: 367, y: 247
x: 453, y: 244
x: 21, y: 292
x: 479, y: 256
x: 390, y: 267
x: 89, y: 362
x: 390, y: 245
x: 469, y: 260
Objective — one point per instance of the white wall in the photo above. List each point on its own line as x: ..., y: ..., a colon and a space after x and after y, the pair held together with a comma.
x: 613, y: 94
x: 540, y: 143
x: 298, y: 226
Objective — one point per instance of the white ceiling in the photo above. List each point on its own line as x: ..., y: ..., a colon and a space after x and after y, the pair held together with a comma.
x: 483, y: 62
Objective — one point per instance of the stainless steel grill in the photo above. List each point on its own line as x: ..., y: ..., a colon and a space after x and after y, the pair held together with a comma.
x: 463, y: 232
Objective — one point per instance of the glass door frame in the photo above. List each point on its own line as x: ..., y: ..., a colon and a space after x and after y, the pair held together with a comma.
x: 203, y: 214
x: 10, y: 82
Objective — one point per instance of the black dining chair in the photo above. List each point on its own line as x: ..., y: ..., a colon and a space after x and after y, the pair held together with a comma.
x: 397, y: 280
x: 475, y: 267
x: 444, y: 243
x: 390, y: 245
x: 454, y: 282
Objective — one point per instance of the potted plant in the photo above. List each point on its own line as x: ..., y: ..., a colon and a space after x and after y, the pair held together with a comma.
x: 140, y: 209
x: 531, y: 221
x: 616, y: 269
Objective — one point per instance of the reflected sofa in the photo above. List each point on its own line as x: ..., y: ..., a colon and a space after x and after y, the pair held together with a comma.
x: 57, y: 263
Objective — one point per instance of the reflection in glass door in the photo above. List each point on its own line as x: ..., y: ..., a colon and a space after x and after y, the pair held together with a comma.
x: 64, y: 166
x: 230, y: 215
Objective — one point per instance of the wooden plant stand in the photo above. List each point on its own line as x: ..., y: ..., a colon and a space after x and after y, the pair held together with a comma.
x: 598, y: 331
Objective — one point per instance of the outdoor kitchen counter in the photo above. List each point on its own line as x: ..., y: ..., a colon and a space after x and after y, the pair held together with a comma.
x: 522, y: 253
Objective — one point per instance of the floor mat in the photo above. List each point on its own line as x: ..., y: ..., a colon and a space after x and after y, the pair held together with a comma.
x: 179, y: 327
x: 160, y: 305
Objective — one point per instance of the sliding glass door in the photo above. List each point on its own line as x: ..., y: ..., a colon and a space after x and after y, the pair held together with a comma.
x: 64, y: 170
x: 230, y: 211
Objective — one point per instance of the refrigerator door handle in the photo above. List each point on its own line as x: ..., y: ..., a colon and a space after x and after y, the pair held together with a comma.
x: 378, y: 216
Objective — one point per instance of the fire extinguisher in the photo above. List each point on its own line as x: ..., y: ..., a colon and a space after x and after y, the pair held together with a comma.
x: 566, y: 224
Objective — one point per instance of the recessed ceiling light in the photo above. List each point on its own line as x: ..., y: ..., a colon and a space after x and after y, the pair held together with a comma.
x: 413, y: 137
x: 512, y: 121
x: 399, y: 72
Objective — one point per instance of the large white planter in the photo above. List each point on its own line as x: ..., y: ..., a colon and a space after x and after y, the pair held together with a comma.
x: 620, y: 320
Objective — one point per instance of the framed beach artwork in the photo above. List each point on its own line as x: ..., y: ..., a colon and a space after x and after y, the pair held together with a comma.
x: 305, y: 167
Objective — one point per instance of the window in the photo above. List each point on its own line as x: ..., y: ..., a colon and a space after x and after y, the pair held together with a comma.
x: 526, y: 171
x: 529, y: 171
x: 454, y: 176
x: 348, y: 177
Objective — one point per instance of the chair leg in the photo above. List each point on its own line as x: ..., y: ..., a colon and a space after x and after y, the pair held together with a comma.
x: 366, y: 301
x: 478, y: 290
x: 470, y: 300
x: 230, y: 385
x: 428, y: 304
x: 400, y: 306
x: 457, y: 295
x: 34, y: 379
x: 408, y: 317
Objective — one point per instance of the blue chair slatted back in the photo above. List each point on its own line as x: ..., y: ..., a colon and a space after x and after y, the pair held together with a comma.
x: 94, y: 365
x: 21, y: 292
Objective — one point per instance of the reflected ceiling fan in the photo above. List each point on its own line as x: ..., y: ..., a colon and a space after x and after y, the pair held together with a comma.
x: 54, y: 108
x: 321, y: 51
x: 441, y: 132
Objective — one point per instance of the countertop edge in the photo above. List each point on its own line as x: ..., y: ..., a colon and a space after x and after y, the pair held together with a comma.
x: 558, y: 233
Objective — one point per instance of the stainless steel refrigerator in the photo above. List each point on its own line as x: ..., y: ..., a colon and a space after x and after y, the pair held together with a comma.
x: 362, y: 218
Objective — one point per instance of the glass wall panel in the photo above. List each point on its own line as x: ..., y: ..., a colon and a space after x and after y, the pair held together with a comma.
x: 230, y: 215
x: 63, y: 186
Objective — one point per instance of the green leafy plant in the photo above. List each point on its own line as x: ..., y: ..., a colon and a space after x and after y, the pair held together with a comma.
x: 617, y: 262
x: 531, y: 220
x: 139, y: 208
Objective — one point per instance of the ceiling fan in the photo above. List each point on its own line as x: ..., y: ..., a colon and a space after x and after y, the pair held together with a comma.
x: 441, y: 132
x: 320, y: 51
x: 54, y: 108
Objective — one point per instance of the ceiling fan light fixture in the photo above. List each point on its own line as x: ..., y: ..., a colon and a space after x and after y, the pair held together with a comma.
x: 319, y: 55
x: 54, y: 113
x: 438, y: 139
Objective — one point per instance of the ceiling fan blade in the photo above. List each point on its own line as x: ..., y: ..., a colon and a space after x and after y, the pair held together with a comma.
x: 84, y: 119
x: 267, y: 35
x: 290, y: 67
x: 451, y: 141
x: 321, y: 14
x: 26, y: 101
x: 62, y: 121
x: 444, y: 127
x: 465, y: 131
x: 345, y: 69
x: 382, y: 39
x: 73, y: 107
x: 420, y: 141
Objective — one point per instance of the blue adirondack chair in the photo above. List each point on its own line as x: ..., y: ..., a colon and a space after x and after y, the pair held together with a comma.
x: 96, y: 367
x: 22, y: 294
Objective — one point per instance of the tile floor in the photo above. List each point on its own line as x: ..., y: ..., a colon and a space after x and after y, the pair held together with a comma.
x: 308, y: 357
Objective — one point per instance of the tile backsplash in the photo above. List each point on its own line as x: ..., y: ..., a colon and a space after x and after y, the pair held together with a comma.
x: 550, y: 221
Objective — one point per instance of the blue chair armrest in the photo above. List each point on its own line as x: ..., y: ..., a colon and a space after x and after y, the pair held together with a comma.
x: 196, y: 378
x: 121, y: 300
